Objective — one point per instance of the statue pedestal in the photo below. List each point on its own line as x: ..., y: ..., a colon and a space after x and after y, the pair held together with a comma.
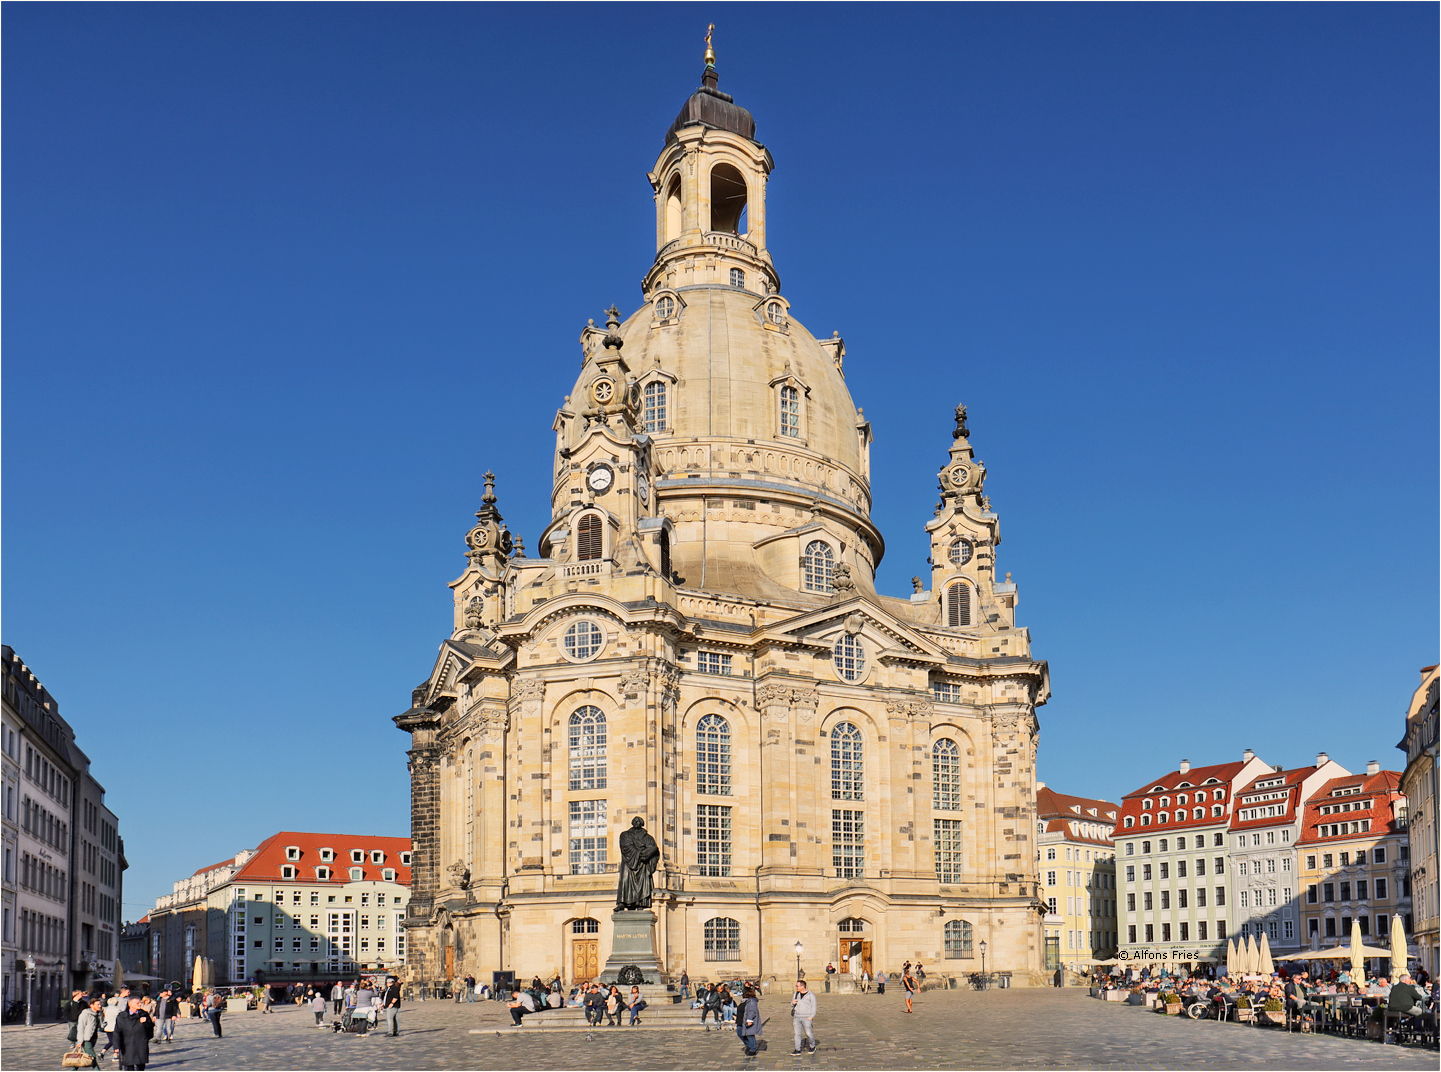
x: 632, y: 943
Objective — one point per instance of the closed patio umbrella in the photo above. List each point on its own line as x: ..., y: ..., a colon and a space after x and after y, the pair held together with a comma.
x: 1248, y: 956
x: 1398, y: 947
x: 1233, y: 958
x: 1264, y: 964
x: 1358, y: 958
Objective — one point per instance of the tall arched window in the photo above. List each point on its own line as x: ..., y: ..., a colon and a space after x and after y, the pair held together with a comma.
x: 790, y: 411
x: 946, y: 774
x: 738, y: 278
x: 673, y: 210
x: 588, y: 544
x: 587, y: 749
x: 958, y: 604
x: 664, y: 540
x: 847, y: 762
x: 722, y: 939
x: 713, y: 756
x: 820, y: 566
x: 958, y: 940
x: 655, y: 406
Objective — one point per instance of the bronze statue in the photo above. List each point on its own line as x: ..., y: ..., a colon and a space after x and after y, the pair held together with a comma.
x: 638, y: 856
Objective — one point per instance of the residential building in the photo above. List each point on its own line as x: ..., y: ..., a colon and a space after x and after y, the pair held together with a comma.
x: 1263, y: 869
x: 135, y: 947
x: 11, y: 736
x: 700, y: 646
x: 1418, y: 782
x: 301, y: 907
x: 1172, y: 851
x: 99, y: 862
x: 1077, y: 855
x: 1355, y: 858
x: 46, y: 791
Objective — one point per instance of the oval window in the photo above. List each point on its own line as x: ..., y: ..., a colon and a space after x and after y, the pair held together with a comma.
x: 665, y: 308
x: 583, y: 641
x: 850, y: 658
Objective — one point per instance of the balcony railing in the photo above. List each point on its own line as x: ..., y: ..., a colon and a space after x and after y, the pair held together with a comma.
x: 729, y: 241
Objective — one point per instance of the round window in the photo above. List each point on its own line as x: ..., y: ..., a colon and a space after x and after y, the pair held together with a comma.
x: 665, y: 308
x: 961, y: 552
x: 583, y: 641
x: 776, y: 312
x: 850, y: 658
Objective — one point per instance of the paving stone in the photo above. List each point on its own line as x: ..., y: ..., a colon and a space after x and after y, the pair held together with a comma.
x: 1020, y: 1029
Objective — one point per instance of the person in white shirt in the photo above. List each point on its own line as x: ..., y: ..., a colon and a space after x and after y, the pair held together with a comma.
x: 803, y: 1011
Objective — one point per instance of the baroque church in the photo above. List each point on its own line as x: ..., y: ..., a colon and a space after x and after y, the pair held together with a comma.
x: 699, y: 642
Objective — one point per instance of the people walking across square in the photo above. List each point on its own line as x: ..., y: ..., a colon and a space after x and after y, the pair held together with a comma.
x: 908, y: 981
x: 134, y: 1027
x: 748, y: 1021
x: 803, y: 1011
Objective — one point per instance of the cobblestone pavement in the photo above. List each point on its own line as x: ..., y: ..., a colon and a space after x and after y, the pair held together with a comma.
x: 1018, y: 1029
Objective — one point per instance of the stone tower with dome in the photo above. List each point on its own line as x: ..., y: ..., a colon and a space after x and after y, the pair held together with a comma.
x: 699, y: 642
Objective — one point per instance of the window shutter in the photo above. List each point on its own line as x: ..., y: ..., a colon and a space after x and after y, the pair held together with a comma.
x: 958, y: 605
x: 587, y: 539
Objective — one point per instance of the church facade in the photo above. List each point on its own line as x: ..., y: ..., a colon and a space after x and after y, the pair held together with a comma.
x: 699, y: 643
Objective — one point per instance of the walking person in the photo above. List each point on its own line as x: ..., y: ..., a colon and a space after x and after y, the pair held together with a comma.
x: 317, y: 1006
x: 909, y: 982
x: 110, y: 1015
x: 684, y: 984
x: 166, y: 1011
x: 217, y: 1007
x: 748, y: 1021
x: 469, y: 988
x: 135, y: 1027
x: 881, y: 980
x: 803, y: 1011
x: 390, y: 1005
x: 77, y: 1004
x: 337, y: 995
x: 87, y: 1028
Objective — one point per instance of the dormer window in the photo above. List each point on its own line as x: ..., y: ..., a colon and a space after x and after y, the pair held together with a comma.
x: 790, y: 412
x: 322, y: 874
x: 376, y: 856
x: 388, y: 874
x: 357, y: 856
x: 1165, y: 802
x: 292, y: 852
x: 405, y: 859
x: 819, y: 567
x: 1146, y: 804
x: 1181, y: 798
x: 655, y: 404
x: 665, y: 307
x: 355, y: 874
x: 287, y: 871
x: 776, y: 313
x: 326, y: 855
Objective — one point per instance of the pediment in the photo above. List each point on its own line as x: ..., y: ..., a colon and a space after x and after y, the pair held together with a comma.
x: 454, y: 661
x: 893, y: 637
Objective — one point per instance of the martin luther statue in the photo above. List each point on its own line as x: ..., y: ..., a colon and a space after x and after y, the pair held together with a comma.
x: 638, y: 856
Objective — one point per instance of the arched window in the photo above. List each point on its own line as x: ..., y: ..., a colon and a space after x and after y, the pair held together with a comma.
x: 847, y: 766
x: 664, y: 307
x: 664, y: 540
x: 1145, y: 820
x: 958, y: 940
x: 820, y: 566
x: 1130, y: 820
x: 713, y: 756
x: 738, y: 278
x: 655, y: 404
x: 776, y: 312
x: 673, y: 210
x: 790, y: 412
x: 587, y: 749
x: 852, y: 925
x: 727, y: 201
x: 958, y: 604
x: 588, y: 545
x: 585, y: 926
x: 961, y: 551
x: 849, y: 655
x: 946, y: 774
x: 722, y: 939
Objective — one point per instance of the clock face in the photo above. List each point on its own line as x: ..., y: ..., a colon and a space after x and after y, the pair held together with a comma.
x: 642, y: 488
x: 600, y: 478
x: 959, y: 475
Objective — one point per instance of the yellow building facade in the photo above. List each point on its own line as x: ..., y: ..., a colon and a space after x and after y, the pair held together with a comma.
x: 1077, y: 866
x: 700, y: 643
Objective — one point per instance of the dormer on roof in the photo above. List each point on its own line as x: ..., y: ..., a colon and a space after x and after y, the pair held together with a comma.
x: 292, y: 852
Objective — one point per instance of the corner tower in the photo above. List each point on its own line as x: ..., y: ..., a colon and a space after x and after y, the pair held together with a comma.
x: 699, y: 642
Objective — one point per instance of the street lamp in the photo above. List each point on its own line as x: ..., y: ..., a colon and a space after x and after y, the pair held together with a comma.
x: 799, y: 949
x: 983, y: 964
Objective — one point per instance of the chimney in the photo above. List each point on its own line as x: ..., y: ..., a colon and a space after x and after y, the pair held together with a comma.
x: 1247, y: 756
x: 1322, y: 759
x: 1040, y: 785
x: 1185, y: 765
x: 1372, y: 767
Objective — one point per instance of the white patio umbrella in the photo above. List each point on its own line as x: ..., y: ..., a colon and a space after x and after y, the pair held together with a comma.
x: 1248, y: 956
x: 1233, y: 958
x: 1398, y: 948
x: 1358, y: 958
x: 1264, y: 964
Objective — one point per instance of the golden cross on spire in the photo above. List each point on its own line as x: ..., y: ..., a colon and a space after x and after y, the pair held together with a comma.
x: 709, y: 52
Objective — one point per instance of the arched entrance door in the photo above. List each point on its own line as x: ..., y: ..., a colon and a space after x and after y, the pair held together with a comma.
x: 855, y: 947
x: 584, y: 950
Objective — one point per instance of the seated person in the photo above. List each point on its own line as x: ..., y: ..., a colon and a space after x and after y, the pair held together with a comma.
x: 1298, y: 997
x: 520, y: 1003
x: 1408, y: 999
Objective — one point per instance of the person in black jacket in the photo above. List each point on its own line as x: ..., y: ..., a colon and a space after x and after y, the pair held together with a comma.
x: 134, y: 1027
x: 390, y: 1005
x: 1410, y: 1000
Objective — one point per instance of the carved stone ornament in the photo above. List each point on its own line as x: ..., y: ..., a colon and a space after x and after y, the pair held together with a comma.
x: 842, y: 581
x: 854, y: 624
x: 526, y: 689
x: 603, y: 390
x: 635, y: 682
x: 474, y: 613
x: 773, y: 695
x: 459, y: 875
x: 910, y: 708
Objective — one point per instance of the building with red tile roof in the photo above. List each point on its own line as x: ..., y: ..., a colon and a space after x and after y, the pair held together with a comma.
x: 1265, y: 827
x: 1172, y: 868
x: 1078, y: 876
x: 300, y: 907
x: 1355, y: 858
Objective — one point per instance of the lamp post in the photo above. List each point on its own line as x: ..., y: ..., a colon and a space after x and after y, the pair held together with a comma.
x: 984, y: 982
x: 799, y: 949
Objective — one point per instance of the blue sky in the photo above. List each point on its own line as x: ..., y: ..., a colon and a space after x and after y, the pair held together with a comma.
x: 282, y: 281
